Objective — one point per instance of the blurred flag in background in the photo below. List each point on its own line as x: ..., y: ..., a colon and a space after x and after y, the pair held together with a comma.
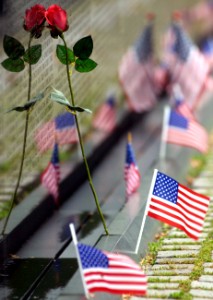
x: 187, y: 65
x: 136, y: 72
x: 105, y: 118
x: 51, y: 175
x: 185, y: 132
x: 132, y: 175
x: 63, y: 127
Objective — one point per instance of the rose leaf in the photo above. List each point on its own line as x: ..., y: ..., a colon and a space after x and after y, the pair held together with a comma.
x: 83, y: 48
x: 13, y: 65
x: 12, y: 47
x: 33, y: 54
x: 85, y: 65
x: 29, y: 104
x: 61, y: 54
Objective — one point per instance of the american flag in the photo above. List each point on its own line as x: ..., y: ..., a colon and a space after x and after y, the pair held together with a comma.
x: 188, y: 67
x: 132, y: 175
x: 182, y: 131
x: 51, y: 175
x: 105, y: 118
x: 136, y: 73
x: 111, y: 273
x: 63, y: 128
x: 177, y: 205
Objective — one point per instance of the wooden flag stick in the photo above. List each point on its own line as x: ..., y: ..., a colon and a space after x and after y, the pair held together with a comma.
x: 129, y: 137
x: 164, y: 132
x: 146, y: 210
x: 74, y: 238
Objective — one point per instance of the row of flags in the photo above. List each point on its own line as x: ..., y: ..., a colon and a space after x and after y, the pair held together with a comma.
x: 179, y: 127
x: 168, y: 201
x: 143, y: 80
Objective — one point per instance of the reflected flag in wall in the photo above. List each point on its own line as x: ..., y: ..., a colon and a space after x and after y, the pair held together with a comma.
x: 136, y: 72
x: 105, y: 118
x: 51, y: 175
x: 177, y: 205
x: 63, y: 127
x: 110, y: 272
x: 132, y: 175
x: 182, y: 131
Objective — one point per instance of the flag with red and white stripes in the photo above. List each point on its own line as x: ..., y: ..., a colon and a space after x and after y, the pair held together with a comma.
x: 63, y: 128
x: 132, y: 175
x: 105, y: 118
x: 110, y: 272
x: 185, y: 132
x: 177, y: 205
x: 51, y: 175
x: 136, y: 73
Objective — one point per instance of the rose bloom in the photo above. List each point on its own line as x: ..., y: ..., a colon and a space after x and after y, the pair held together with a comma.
x: 34, y: 19
x: 57, y: 19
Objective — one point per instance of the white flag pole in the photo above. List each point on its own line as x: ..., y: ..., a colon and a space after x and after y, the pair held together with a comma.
x: 74, y: 238
x: 146, y: 209
x: 164, y: 132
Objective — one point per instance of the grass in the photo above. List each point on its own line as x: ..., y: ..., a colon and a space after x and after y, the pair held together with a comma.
x: 197, y: 163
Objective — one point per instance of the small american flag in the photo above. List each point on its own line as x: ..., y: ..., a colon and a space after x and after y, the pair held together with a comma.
x: 132, y: 175
x: 63, y: 128
x: 105, y: 119
x: 188, y: 67
x: 182, y: 131
x: 177, y: 205
x: 51, y: 175
x: 136, y: 73
x: 111, y: 273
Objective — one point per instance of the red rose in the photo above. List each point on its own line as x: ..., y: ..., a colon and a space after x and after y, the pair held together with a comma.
x: 34, y: 19
x: 57, y: 19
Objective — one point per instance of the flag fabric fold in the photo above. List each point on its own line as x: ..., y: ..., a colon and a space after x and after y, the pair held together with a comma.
x: 50, y: 177
x: 110, y: 272
x: 105, y: 118
x: 132, y: 175
x: 185, y: 132
x: 136, y: 73
x: 63, y: 127
x: 177, y: 205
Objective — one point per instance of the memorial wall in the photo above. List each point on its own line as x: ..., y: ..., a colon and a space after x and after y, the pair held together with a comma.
x: 113, y: 24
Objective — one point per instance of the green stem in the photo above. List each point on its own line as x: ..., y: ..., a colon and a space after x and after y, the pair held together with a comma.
x: 81, y: 144
x: 14, y: 197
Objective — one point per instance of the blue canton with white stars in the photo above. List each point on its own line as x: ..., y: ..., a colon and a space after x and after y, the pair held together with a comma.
x: 130, y: 155
x: 64, y: 120
x: 178, y: 120
x: 92, y: 257
x: 182, y: 44
x: 144, y: 45
x: 55, y: 155
x: 166, y: 188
